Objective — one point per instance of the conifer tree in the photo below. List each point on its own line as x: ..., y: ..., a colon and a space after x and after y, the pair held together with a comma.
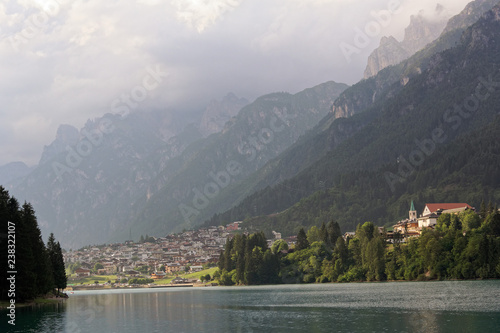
x: 24, y: 261
x: 333, y: 230
x: 42, y: 266
x: 57, y: 262
x: 302, y: 242
x: 323, y: 235
x: 482, y: 210
x: 228, y: 263
x: 239, y: 248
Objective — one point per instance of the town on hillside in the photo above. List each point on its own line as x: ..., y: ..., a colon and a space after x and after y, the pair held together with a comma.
x: 155, y: 258
x: 196, y: 250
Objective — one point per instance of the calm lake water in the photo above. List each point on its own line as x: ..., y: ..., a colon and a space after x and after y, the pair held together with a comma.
x: 462, y: 306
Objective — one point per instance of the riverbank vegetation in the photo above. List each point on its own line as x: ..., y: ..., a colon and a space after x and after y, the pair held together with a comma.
x: 464, y: 246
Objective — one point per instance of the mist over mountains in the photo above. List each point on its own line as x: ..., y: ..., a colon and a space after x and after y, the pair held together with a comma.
x: 287, y: 160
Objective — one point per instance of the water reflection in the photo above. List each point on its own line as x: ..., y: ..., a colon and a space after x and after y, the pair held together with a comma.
x: 38, y: 318
x: 391, y: 307
x: 423, y: 322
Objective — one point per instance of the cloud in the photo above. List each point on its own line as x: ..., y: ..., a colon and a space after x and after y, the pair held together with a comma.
x: 200, y: 14
x: 65, y: 61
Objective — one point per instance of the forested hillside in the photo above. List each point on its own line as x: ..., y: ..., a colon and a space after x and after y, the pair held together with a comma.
x: 433, y: 140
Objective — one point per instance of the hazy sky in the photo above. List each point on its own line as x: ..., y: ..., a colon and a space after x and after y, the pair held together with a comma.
x: 67, y: 61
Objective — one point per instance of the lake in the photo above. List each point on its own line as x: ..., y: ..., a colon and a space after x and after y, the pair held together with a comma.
x: 454, y: 306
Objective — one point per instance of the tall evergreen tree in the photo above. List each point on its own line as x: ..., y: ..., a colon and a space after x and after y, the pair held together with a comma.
x: 302, y: 242
x: 228, y: 263
x: 60, y: 277
x: 482, y: 210
x: 323, y: 235
x: 44, y: 281
x: 333, y: 230
x: 26, y: 284
x: 239, y: 250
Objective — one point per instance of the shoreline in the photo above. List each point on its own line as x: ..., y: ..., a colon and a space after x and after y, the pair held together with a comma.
x: 259, y: 285
x: 35, y: 302
x: 94, y: 287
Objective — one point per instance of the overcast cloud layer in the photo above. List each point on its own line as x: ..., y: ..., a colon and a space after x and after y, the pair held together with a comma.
x: 67, y: 61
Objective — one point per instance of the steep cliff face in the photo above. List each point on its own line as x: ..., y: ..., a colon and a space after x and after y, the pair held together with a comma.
x: 218, y: 113
x: 422, y: 30
x: 67, y: 135
x: 388, y: 81
x: 389, y: 52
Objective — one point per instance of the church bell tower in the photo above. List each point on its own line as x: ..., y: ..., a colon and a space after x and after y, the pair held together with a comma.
x: 413, y: 212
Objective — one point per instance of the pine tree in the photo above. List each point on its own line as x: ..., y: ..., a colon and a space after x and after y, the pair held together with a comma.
x: 490, y: 207
x: 323, y: 235
x: 239, y: 249
x: 228, y: 263
x: 302, y: 242
x: 334, y: 233
x: 42, y: 269
x: 57, y: 262
x: 26, y: 281
x: 482, y: 210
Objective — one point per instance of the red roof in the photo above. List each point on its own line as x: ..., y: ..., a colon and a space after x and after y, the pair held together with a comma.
x: 434, y: 207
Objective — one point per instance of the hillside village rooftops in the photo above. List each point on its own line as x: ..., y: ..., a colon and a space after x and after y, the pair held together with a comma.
x: 434, y: 207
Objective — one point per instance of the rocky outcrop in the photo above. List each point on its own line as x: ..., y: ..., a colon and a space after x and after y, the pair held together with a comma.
x: 422, y: 30
x: 361, y: 96
x: 389, y: 52
x: 67, y: 135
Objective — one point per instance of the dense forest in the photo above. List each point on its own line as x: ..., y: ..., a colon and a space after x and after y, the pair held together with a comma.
x: 463, y: 246
x: 39, y: 268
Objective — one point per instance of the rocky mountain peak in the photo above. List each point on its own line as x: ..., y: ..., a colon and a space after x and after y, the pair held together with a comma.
x: 423, y: 29
x: 66, y: 135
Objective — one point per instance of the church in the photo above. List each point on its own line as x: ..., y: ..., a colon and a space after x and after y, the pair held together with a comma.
x: 413, y: 225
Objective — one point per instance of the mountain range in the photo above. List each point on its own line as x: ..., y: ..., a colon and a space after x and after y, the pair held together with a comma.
x: 430, y: 136
x: 287, y: 160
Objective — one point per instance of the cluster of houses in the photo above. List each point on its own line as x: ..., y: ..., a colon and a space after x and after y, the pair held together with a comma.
x: 170, y: 255
x: 192, y: 249
x: 413, y: 225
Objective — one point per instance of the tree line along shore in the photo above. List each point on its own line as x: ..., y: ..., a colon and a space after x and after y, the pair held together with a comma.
x: 454, y: 249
